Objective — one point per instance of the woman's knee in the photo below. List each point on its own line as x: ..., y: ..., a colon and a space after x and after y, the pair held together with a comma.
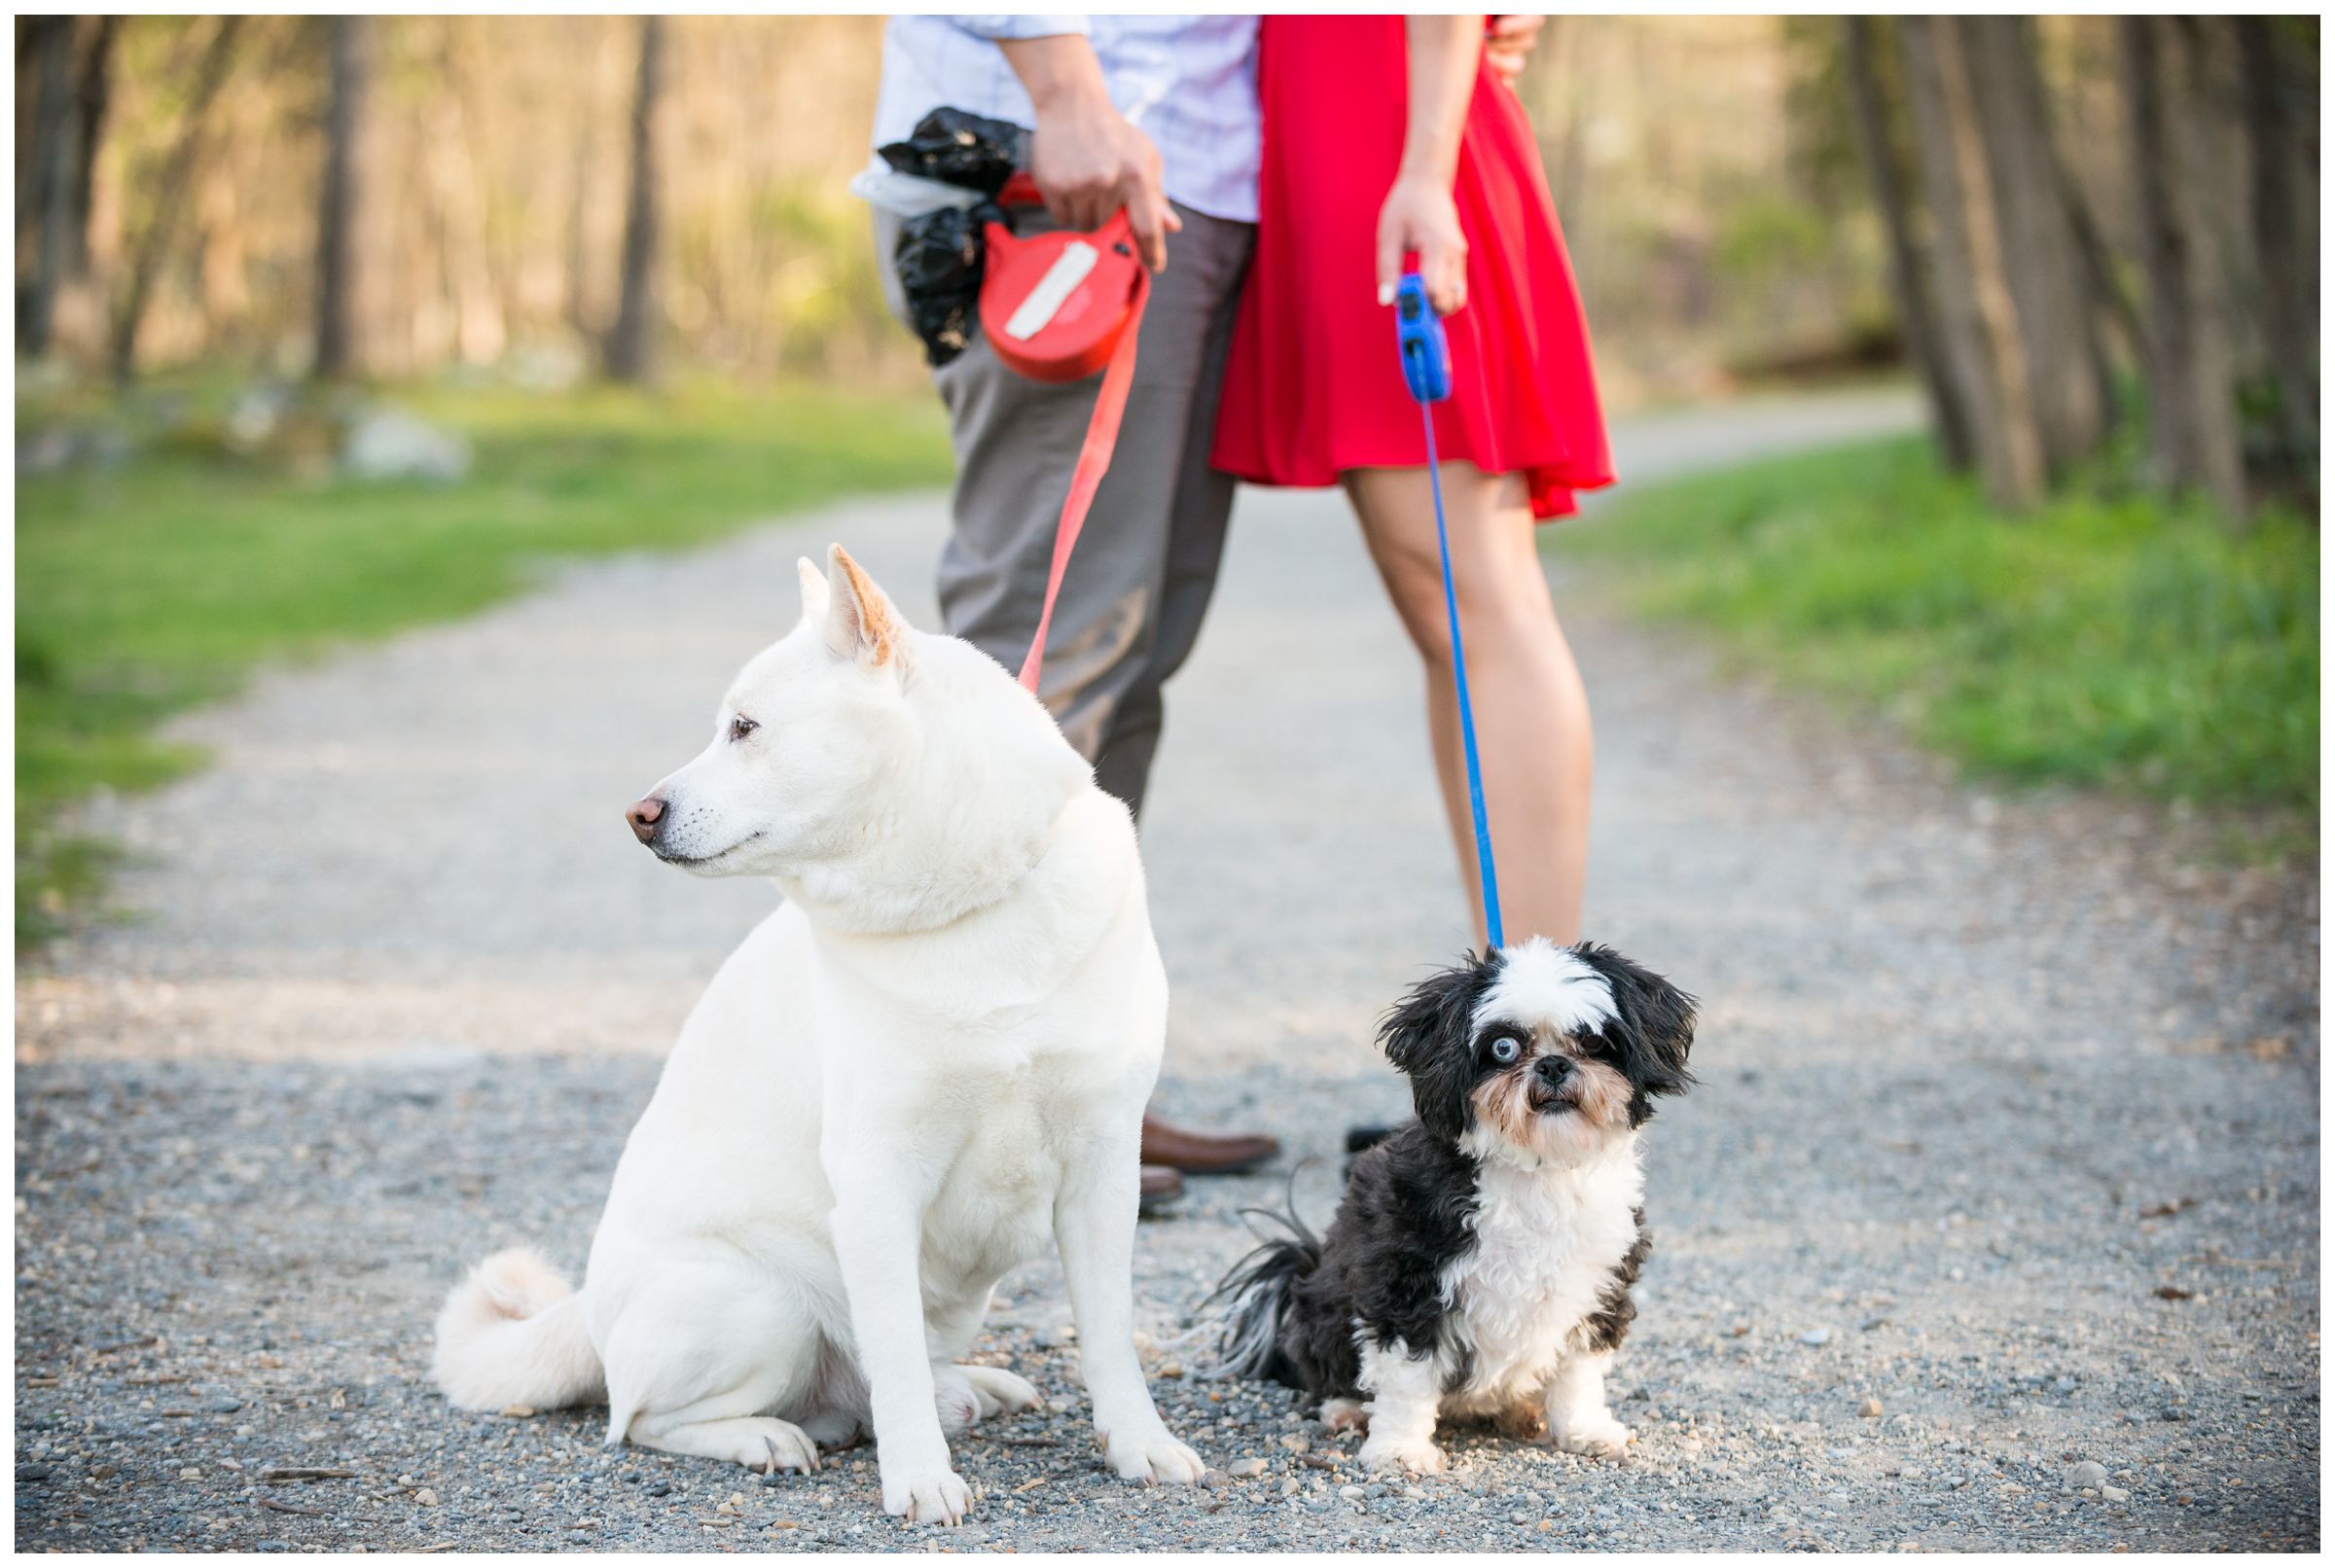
x: 1417, y: 588
x: 1497, y: 620
x: 1503, y: 599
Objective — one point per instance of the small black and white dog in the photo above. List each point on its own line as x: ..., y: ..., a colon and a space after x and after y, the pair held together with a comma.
x: 1481, y: 1262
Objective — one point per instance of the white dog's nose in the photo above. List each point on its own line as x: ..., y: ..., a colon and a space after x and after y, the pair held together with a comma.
x: 644, y: 814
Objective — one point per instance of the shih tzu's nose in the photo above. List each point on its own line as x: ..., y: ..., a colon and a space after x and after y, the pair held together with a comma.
x: 1554, y: 1070
x: 644, y: 814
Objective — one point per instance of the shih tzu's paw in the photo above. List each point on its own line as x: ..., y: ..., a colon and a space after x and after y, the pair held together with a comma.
x: 1416, y: 1457
x: 1521, y: 1423
x: 1600, y: 1438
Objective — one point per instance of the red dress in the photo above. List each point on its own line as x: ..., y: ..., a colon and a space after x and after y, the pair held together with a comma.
x: 1313, y: 386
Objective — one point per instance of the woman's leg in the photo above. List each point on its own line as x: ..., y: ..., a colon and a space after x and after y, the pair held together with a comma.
x: 1532, y: 728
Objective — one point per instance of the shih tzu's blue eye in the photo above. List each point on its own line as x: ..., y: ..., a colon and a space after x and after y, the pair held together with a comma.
x: 1505, y: 1050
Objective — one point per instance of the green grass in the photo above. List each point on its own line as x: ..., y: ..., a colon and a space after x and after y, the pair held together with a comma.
x: 149, y: 589
x: 2105, y: 641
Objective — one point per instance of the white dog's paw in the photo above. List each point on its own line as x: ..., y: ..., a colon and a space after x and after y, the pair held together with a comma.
x: 955, y: 1400
x: 768, y: 1444
x: 1599, y: 1438
x: 1148, y: 1452
x: 927, y: 1496
x: 1000, y: 1392
x: 833, y: 1429
x: 1412, y: 1456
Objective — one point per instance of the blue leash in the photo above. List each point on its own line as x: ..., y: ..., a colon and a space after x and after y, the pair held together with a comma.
x: 1427, y: 371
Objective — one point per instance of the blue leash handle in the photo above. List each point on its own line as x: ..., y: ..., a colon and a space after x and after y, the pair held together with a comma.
x: 1428, y: 373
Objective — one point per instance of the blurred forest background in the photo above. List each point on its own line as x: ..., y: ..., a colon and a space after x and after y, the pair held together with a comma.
x: 326, y: 325
x: 2012, y: 204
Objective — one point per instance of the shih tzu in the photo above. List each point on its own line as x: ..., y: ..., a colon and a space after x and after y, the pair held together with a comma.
x: 1481, y: 1260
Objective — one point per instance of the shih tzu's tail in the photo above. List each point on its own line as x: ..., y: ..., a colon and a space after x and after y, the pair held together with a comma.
x: 1255, y: 1297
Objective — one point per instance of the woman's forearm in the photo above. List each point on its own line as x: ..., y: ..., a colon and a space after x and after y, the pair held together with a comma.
x: 1442, y: 54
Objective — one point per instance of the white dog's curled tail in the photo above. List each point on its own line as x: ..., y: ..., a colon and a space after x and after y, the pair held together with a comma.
x: 514, y: 1334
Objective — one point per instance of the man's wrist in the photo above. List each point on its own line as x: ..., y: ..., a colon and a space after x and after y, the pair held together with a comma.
x: 1059, y: 72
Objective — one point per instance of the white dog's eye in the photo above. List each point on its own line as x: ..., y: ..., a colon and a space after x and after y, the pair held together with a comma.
x: 1505, y: 1050
x: 743, y: 727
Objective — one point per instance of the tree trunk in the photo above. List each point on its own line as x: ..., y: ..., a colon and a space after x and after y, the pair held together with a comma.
x: 631, y: 350
x: 2114, y: 300
x: 2192, y: 398
x: 340, y: 262
x: 1909, y: 278
x: 91, y: 100
x: 2280, y: 115
x: 1981, y: 327
x: 27, y: 110
x: 170, y: 199
x: 2042, y: 253
x: 479, y: 334
x: 55, y: 155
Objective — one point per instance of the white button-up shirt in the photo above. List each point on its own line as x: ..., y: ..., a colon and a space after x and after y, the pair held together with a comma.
x: 1188, y: 83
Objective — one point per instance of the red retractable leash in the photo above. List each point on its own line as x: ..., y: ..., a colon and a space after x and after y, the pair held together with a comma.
x: 1057, y: 307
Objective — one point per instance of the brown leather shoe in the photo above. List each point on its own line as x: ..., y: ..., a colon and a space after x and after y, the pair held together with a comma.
x: 1198, y: 1153
x: 1160, y: 1186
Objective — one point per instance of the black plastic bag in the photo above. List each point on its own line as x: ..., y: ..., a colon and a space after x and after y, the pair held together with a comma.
x: 940, y: 253
x: 971, y: 152
x: 939, y: 256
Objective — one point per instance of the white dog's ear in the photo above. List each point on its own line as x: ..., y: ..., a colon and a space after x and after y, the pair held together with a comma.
x: 861, y: 624
x: 814, y: 589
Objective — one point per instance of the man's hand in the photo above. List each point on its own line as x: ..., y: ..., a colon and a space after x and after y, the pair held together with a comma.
x: 1509, y: 44
x: 1087, y: 159
x: 1089, y: 162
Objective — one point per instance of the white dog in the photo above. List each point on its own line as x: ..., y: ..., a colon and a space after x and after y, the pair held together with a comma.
x: 932, y: 1057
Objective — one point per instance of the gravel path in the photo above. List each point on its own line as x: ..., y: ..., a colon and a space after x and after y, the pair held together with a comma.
x: 1994, y: 1224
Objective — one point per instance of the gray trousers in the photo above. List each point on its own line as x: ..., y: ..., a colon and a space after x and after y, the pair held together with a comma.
x: 1140, y: 582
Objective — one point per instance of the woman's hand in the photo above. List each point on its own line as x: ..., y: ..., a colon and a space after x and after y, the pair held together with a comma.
x: 1421, y: 216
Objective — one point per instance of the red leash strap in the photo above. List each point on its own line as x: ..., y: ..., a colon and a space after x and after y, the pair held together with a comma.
x: 1093, y: 460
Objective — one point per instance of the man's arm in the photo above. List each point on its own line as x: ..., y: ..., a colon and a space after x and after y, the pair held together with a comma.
x: 1087, y: 159
x: 1509, y: 41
